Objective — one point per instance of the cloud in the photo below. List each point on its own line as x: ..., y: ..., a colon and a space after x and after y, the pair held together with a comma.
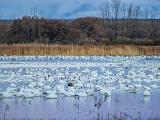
x: 59, y: 8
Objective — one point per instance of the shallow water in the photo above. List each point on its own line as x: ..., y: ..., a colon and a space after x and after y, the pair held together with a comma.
x: 120, y: 105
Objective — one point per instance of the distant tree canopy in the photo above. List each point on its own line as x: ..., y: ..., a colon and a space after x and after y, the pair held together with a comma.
x: 119, y: 23
x: 89, y: 30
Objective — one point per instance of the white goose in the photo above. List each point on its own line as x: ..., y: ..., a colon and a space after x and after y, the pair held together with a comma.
x: 105, y: 91
x: 27, y: 93
x: 71, y: 91
x: 51, y: 94
x: 7, y: 94
x: 147, y: 93
x: 81, y: 93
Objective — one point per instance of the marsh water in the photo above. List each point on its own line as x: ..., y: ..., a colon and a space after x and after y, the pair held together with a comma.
x: 120, y: 105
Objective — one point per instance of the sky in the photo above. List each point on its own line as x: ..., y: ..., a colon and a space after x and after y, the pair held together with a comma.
x: 60, y: 9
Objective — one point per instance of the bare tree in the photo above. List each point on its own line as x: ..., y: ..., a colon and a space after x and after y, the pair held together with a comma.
x: 137, y: 12
x: 105, y: 10
x: 116, y: 4
x: 130, y: 11
x: 153, y: 13
x: 146, y: 13
x: 124, y: 11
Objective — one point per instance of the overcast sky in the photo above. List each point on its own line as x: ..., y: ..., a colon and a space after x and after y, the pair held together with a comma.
x: 59, y: 8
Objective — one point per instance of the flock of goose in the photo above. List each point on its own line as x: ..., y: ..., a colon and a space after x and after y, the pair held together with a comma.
x: 77, y: 76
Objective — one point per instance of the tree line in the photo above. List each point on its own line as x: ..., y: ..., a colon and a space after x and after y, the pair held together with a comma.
x: 130, y: 22
x: 119, y: 23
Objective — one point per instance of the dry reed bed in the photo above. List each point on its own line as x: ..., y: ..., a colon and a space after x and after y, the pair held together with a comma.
x: 76, y: 50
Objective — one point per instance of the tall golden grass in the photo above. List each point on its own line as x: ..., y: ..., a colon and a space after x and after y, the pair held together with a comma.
x: 77, y: 50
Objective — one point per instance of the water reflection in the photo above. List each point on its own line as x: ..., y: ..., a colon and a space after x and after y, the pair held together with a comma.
x: 118, y: 106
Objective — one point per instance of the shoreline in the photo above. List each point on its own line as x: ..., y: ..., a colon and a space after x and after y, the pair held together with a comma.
x: 77, y: 50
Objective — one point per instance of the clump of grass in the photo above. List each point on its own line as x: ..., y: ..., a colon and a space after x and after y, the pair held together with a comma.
x: 77, y: 50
